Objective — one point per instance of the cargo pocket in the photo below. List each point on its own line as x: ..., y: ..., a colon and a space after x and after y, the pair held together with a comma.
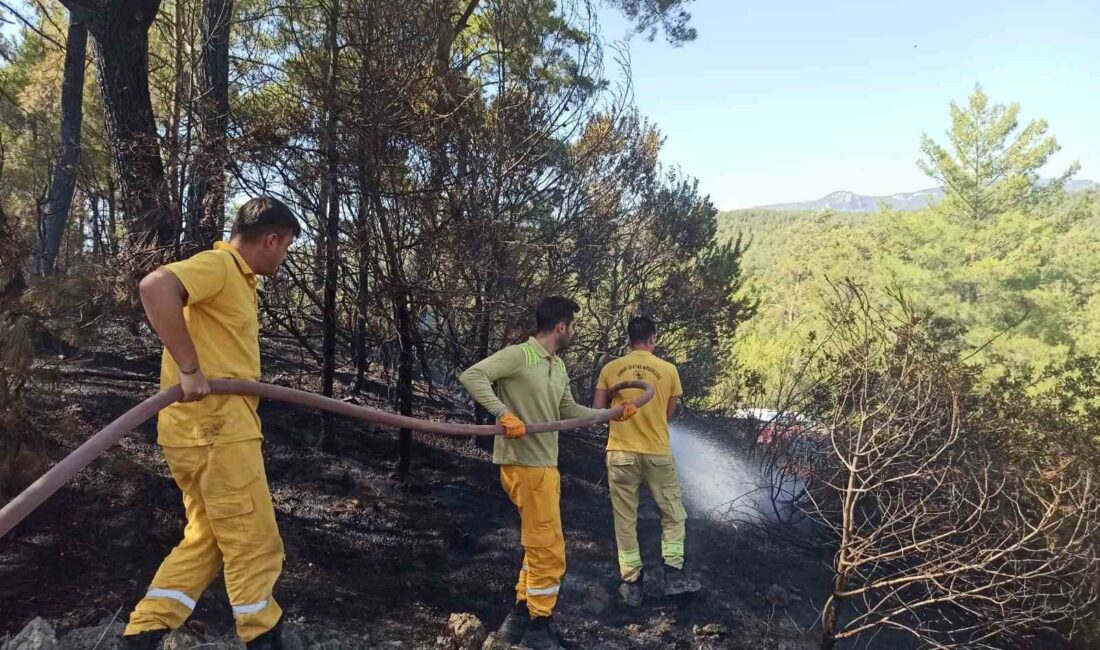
x: 664, y: 472
x: 666, y: 483
x: 229, y: 517
x: 674, y: 503
x: 619, y: 458
x: 232, y: 467
x: 541, y: 525
x: 621, y: 468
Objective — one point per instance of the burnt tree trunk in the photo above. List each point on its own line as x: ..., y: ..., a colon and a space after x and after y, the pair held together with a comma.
x: 331, y: 228
x: 120, y: 32
x: 364, y: 230
x: 363, y: 233
x: 404, y: 380
x: 402, y: 315
x: 206, y: 203
x: 174, y: 148
x: 63, y: 183
x: 484, y: 327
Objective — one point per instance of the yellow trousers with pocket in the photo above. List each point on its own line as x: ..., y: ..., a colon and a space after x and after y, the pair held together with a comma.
x: 230, y: 528
x: 626, y: 473
x: 536, y: 492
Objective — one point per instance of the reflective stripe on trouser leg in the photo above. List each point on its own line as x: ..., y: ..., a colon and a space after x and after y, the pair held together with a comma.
x: 178, y: 596
x: 251, y: 608
x: 624, y: 478
x: 243, y: 519
x: 536, y: 492
x: 192, y: 564
x: 545, y: 576
x: 630, y: 565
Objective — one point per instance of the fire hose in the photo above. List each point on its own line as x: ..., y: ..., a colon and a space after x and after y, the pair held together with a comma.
x: 26, y: 501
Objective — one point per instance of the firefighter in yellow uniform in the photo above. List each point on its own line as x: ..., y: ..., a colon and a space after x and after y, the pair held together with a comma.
x: 532, y: 386
x: 639, y: 453
x: 205, y: 310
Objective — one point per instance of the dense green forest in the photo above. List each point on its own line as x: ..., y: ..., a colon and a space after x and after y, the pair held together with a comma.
x: 1008, y: 256
x: 943, y: 363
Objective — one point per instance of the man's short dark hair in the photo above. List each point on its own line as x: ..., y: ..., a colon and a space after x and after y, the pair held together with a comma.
x: 553, y: 310
x: 264, y: 215
x: 641, y: 329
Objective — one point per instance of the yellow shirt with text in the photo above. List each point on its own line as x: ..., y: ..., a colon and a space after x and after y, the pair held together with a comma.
x: 647, y: 431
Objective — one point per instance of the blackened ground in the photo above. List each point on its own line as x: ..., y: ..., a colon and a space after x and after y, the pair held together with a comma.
x: 364, y: 550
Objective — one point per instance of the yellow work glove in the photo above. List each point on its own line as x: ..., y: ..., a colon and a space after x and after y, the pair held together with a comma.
x: 513, y: 426
x: 628, y: 412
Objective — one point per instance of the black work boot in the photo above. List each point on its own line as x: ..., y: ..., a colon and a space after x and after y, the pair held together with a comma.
x: 270, y: 640
x: 542, y: 634
x: 633, y: 592
x: 677, y: 582
x: 515, y: 624
x: 144, y: 640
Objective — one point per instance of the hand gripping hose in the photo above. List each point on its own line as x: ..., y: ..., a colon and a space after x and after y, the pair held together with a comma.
x: 26, y: 501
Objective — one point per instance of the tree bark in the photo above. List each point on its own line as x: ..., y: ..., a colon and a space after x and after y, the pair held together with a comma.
x: 120, y: 31
x: 97, y: 229
x: 68, y: 155
x: 364, y: 230
x: 481, y: 414
x: 402, y: 315
x: 174, y: 149
x: 112, y: 219
x: 830, y: 616
x: 363, y: 254
x: 404, y: 381
x: 206, y: 203
x: 332, y: 223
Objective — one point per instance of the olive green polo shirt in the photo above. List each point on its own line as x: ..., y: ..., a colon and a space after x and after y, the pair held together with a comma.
x: 532, y: 384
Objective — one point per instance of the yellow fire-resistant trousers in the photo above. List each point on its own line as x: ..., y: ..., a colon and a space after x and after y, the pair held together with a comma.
x: 230, y: 526
x: 536, y: 491
x: 626, y: 473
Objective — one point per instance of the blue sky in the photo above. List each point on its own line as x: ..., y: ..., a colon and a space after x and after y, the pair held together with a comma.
x: 789, y: 100
x: 792, y: 99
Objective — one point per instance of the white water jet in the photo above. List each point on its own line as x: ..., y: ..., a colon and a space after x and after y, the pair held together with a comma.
x: 713, y: 475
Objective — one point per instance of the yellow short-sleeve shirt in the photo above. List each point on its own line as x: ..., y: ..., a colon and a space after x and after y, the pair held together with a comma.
x: 647, y: 431
x: 223, y: 320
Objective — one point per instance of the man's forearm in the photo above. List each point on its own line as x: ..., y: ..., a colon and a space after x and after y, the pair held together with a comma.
x: 163, y: 297
x: 574, y: 410
x: 480, y: 387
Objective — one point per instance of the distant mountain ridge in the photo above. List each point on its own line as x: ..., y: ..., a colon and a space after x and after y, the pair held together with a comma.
x: 851, y: 202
